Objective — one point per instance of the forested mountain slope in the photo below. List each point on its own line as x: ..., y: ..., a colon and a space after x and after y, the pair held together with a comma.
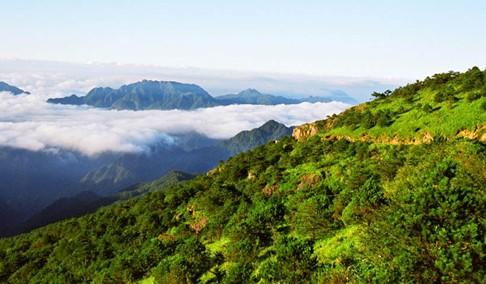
x: 390, y: 191
x: 87, y: 202
x: 134, y: 168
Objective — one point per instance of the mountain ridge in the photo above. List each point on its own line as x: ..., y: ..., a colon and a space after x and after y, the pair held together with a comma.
x: 253, y: 96
x: 146, y: 94
x: 167, y: 95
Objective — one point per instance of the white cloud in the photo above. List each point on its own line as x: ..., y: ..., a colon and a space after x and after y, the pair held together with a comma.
x: 27, y: 121
x: 30, y: 123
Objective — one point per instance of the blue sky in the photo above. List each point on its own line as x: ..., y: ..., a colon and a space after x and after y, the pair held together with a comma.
x: 399, y: 39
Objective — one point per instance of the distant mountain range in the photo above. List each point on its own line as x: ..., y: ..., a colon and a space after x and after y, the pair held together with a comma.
x: 338, y: 96
x: 144, y: 95
x: 4, y: 87
x: 166, y: 95
x: 254, y: 97
x: 31, y: 180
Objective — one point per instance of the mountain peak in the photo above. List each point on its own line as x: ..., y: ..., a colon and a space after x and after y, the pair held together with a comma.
x: 250, y: 91
x: 248, y: 139
x: 4, y: 87
x: 272, y: 123
x: 145, y: 94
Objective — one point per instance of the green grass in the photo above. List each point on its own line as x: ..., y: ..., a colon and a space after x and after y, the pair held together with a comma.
x: 149, y: 280
x: 218, y: 246
x: 411, y: 121
x: 346, y: 243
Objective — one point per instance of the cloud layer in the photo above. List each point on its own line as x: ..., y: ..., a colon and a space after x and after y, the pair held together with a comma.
x: 30, y: 123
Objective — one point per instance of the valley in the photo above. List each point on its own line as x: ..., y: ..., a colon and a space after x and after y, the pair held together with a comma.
x: 45, y: 180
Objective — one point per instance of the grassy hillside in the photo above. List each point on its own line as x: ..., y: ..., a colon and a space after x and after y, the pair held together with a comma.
x: 347, y: 201
x: 442, y: 106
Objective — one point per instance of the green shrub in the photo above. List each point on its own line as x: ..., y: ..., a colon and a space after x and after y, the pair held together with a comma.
x: 473, y: 96
x: 427, y: 108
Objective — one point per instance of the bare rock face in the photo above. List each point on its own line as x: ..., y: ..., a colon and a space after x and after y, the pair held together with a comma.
x: 309, y: 180
x: 268, y: 190
x: 305, y: 131
x: 478, y: 134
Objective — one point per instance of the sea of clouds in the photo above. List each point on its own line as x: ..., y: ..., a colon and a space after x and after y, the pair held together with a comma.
x: 28, y: 122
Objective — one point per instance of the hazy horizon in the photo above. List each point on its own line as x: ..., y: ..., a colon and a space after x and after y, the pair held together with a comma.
x: 24, y: 73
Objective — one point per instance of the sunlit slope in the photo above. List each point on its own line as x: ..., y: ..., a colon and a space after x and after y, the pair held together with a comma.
x: 444, y: 106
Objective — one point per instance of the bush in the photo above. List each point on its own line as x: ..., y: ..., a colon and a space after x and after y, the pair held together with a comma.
x: 367, y: 120
x: 427, y: 108
x: 473, y: 79
x: 384, y: 118
x: 439, y: 97
x: 473, y: 96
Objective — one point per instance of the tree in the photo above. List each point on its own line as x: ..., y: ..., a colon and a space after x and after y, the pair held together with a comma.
x: 483, y: 106
x: 473, y: 79
x: 379, y: 95
x: 384, y: 118
x: 427, y: 108
x: 367, y: 120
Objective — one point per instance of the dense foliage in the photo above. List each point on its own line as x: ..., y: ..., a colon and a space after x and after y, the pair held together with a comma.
x: 320, y: 210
